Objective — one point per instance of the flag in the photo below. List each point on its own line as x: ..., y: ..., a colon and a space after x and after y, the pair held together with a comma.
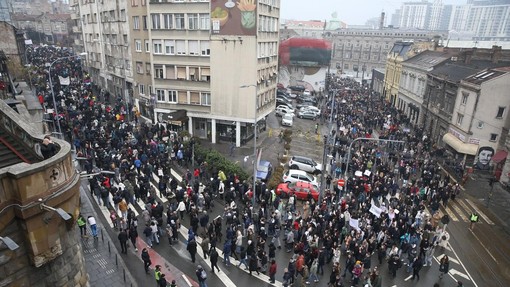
x: 64, y: 81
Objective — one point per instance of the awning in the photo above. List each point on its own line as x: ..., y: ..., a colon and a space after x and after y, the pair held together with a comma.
x: 177, y: 116
x: 500, y: 156
x: 459, y: 145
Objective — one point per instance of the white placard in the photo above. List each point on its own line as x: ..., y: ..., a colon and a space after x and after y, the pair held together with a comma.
x: 354, y: 223
x: 367, y: 172
x: 358, y: 173
x: 375, y: 210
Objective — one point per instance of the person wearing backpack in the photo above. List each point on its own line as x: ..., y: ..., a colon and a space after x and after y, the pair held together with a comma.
x: 201, y: 276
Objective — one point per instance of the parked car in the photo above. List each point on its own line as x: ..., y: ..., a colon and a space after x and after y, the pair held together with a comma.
x: 298, y: 88
x: 307, y: 114
x: 264, y: 170
x: 305, y: 104
x: 305, y: 163
x: 281, y: 103
x: 284, y: 98
x: 301, y: 189
x: 307, y: 93
x: 295, y: 175
x: 303, y: 98
x: 287, y: 120
x: 283, y: 109
x: 311, y: 108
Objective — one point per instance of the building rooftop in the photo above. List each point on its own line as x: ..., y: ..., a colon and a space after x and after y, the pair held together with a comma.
x: 457, y: 70
x: 483, y: 76
x: 427, y: 59
x: 311, y: 24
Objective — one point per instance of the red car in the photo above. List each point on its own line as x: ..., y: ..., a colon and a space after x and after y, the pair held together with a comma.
x: 299, y: 188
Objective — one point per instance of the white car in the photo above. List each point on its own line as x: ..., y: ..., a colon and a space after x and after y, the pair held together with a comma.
x: 292, y: 96
x: 306, y: 164
x: 295, y: 175
x: 287, y: 120
x: 311, y: 108
x: 283, y: 110
x: 307, y: 93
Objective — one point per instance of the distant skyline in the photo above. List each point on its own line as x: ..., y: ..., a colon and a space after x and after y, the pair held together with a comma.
x: 350, y: 12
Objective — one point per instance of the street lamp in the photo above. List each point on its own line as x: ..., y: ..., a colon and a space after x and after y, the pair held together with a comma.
x: 254, y: 140
x: 59, y: 130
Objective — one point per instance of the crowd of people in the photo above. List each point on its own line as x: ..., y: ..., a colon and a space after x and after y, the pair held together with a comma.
x: 385, y: 217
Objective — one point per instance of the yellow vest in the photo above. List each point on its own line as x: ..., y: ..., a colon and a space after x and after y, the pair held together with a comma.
x: 81, y: 221
x: 474, y: 217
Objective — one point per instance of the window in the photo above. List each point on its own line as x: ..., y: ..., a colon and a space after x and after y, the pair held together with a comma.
x: 160, y: 95
x: 193, y: 73
x: 158, y: 72
x: 205, y: 74
x: 170, y: 47
x: 157, y: 47
x: 194, y: 98
x: 136, y: 22
x: 148, y: 68
x: 204, y: 47
x: 172, y: 96
x: 170, y: 72
x: 134, y: 3
x: 464, y: 98
x: 480, y: 124
x: 205, y: 21
x: 168, y: 21
x: 192, y: 21
x: 180, y: 47
x: 144, y: 22
x: 182, y: 97
x: 494, y: 137
x: 205, y: 99
x: 460, y: 117
x: 141, y: 89
x: 181, y: 73
x: 139, y: 67
x: 179, y: 21
x: 193, y: 48
x: 138, y: 45
x: 156, y: 21
x: 147, y: 46
x: 501, y: 111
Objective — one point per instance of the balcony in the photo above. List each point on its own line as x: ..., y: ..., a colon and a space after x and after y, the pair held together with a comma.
x: 76, y: 29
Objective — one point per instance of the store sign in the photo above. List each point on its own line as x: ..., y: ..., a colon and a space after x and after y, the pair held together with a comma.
x: 474, y: 141
x: 457, y: 134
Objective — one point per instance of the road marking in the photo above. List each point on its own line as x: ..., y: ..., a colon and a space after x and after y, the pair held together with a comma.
x: 186, y: 279
x: 453, y: 272
x: 485, y: 217
x: 175, y: 175
x: 409, y: 277
x: 459, y: 212
x: 449, y: 259
x: 487, y: 250
x: 461, y: 264
x: 221, y: 275
x: 451, y: 214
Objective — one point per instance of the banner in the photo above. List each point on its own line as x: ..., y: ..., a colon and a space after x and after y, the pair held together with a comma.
x: 354, y: 223
x: 64, y: 81
x: 375, y: 210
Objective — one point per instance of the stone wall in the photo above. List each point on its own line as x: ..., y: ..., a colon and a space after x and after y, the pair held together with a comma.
x: 66, y: 270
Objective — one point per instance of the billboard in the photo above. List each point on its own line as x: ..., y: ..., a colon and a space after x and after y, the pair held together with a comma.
x: 230, y: 17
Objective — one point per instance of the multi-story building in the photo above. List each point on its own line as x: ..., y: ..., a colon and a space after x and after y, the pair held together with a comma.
x: 354, y: 49
x: 489, y: 20
x: 415, y: 15
x: 54, y: 27
x: 5, y: 12
x: 311, y: 29
x: 459, y: 102
x: 213, y: 65
x: 104, y: 28
x: 413, y: 83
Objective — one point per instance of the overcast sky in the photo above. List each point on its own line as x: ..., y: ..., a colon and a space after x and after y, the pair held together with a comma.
x: 353, y: 12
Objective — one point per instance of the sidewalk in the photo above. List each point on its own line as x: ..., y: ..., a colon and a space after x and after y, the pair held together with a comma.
x: 103, y: 263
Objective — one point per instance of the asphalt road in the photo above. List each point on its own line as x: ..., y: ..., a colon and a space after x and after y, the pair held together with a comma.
x: 474, y: 261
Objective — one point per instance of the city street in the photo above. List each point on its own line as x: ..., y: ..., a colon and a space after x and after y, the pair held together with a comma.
x: 472, y: 260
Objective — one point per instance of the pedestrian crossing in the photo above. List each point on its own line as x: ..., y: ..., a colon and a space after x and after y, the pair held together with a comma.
x: 460, y: 209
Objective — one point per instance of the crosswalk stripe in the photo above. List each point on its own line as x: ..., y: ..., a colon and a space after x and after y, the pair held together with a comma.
x: 459, y: 212
x: 449, y: 259
x: 482, y: 215
x: 451, y: 214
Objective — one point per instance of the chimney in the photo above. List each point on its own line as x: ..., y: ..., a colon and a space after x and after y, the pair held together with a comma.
x: 495, y: 54
x: 381, y: 25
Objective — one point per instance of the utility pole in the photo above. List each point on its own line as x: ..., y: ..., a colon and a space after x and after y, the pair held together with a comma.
x: 346, y: 175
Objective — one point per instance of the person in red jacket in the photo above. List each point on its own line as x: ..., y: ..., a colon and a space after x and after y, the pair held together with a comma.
x: 272, y: 271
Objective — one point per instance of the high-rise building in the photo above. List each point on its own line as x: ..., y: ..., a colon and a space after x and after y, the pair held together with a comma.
x: 415, y: 15
x: 5, y: 14
x: 206, y: 67
x: 103, y: 31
